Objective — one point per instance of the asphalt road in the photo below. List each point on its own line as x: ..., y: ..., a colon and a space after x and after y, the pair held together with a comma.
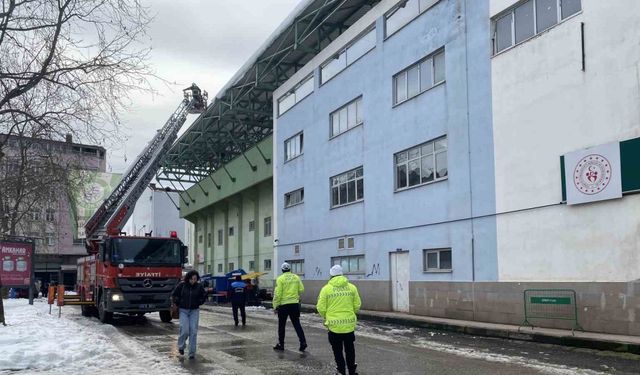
x: 380, y: 349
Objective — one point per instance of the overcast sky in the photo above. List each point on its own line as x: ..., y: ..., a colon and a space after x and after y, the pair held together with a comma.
x: 201, y: 41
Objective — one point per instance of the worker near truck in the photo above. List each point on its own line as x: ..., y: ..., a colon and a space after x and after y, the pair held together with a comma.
x: 286, y: 303
x: 189, y: 295
x: 239, y: 299
x: 338, y: 304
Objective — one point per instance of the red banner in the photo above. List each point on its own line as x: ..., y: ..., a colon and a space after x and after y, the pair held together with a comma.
x: 15, y: 260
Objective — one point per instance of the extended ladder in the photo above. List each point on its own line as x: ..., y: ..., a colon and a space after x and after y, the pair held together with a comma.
x: 116, y: 210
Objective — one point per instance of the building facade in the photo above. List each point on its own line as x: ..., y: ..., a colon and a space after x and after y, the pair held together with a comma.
x: 397, y: 151
x: 422, y: 150
x: 232, y: 216
x: 48, y: 211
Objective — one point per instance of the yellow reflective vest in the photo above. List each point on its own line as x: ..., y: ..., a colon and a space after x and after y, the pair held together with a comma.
x: 288, y: 289
x: 338, y: 304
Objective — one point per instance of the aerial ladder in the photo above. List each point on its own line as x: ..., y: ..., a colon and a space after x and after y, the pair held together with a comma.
x: 114, y: 212
x: 131, y: 274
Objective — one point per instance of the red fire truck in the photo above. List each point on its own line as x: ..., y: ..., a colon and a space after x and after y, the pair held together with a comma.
x: 134, y: 275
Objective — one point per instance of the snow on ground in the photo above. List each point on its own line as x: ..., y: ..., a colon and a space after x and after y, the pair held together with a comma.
x: 36, y: 342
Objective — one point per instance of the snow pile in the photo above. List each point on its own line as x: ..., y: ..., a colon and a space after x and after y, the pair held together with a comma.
x: 37, y: 342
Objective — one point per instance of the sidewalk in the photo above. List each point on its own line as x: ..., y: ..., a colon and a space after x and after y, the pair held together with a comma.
x: 591, y: 340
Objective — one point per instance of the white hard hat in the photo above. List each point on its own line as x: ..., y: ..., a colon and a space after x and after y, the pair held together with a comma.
x: 285, y: 267
x: 336, y: 270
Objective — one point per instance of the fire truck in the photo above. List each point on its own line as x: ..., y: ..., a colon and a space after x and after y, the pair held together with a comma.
x: 134, y: 275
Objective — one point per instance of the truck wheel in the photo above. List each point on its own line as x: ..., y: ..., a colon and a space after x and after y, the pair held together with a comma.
x: 165, y: 316
x: 103, y: 315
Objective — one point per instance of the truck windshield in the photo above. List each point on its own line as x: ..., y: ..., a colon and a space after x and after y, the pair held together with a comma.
x: 146, y: 251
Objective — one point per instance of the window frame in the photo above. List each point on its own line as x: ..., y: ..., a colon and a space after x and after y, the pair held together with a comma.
x: 287, y: 157
x: 393, y: 10
x: 220, y: 237
x: 343, y: 53
x: 434, y: 153
x: 294, y: 92
x: 252, y: 225
x: 265, y: 268
x: 293, y: 263
x: 361, y: 271
x: 355, y: 179
x: 425, y: 264
x: 50, y: 215
x: 287, y: 198
x: 510, y: 12
x: 220, y: 268
x: 232, y: 231
x: 355, y: 101
x: 405, y: 72
x: 264, y: 228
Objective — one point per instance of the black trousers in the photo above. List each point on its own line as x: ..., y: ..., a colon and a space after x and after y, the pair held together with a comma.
x: 340, y: 341
x: 291, y: 311
x: 235, y: 306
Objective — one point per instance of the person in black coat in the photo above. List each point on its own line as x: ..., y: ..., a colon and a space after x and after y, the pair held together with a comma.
x: 189, y: 294
x: 239, y: 299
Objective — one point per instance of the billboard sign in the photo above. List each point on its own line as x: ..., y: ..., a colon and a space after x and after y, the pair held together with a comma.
x: 16, y: 259
x: 95, y: 188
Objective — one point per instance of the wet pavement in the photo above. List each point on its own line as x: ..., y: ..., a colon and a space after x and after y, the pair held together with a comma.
x: 224, y: 348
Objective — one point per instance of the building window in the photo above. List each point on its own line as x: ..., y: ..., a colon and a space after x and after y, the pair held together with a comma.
x: 200, y: 238
x: 347, y: 56
x: 528, y: 19
x: 36, y: 215
x: 232, y: 266
x: 422, y: 164
x: 350, y: 264
x: 252, y: 265
x: 220, y: 239
x: 231, y: 231
x: 293, y: 147
x: 297, y: 266
x: 50, y: 214
x: 293, y: 198
x: 296, y: 249
x: 437, y: 260
x: 208, y: 268
x: 267, y: 264
x: 346, y: 243
x: 252, y: 225
x: 299, y: 92
x: 347, y: 188
x: 208, y: 239
x: 51, y: 240
x: 267, y: 226
x: 346, y: 117
x: 404, y: 13
x: 419, y: 77
x: 219, y: 267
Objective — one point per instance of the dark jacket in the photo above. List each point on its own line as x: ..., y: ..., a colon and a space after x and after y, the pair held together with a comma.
x: 238, y: 292
x: 188, y: 296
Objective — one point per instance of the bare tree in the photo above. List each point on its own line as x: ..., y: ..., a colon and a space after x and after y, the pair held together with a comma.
x: 68, y: 66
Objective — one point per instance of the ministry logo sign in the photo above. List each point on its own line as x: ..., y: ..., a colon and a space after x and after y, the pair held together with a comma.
x: 595, y: 173
x: 592, y: 174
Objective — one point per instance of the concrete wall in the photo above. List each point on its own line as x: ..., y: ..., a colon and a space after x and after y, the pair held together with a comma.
x: 375, y: 294
x: 429, y: 216
x: 544, y: 106
x: 602, y: 307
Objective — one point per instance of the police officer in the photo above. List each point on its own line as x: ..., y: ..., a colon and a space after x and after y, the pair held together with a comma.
x: 286, y: 303
x: 239, y: 299
x: 338, y: 304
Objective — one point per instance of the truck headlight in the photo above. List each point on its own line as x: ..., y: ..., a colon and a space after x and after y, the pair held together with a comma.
x: 117, y: 297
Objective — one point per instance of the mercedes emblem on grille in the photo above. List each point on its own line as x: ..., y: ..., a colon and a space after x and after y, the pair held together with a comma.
x: 147, y: 283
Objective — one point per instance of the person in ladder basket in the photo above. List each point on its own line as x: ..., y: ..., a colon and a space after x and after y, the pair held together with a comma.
x: 338, y: 304
x: 239, y: 299
x: 189, y: 295
x: 286, y: 303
